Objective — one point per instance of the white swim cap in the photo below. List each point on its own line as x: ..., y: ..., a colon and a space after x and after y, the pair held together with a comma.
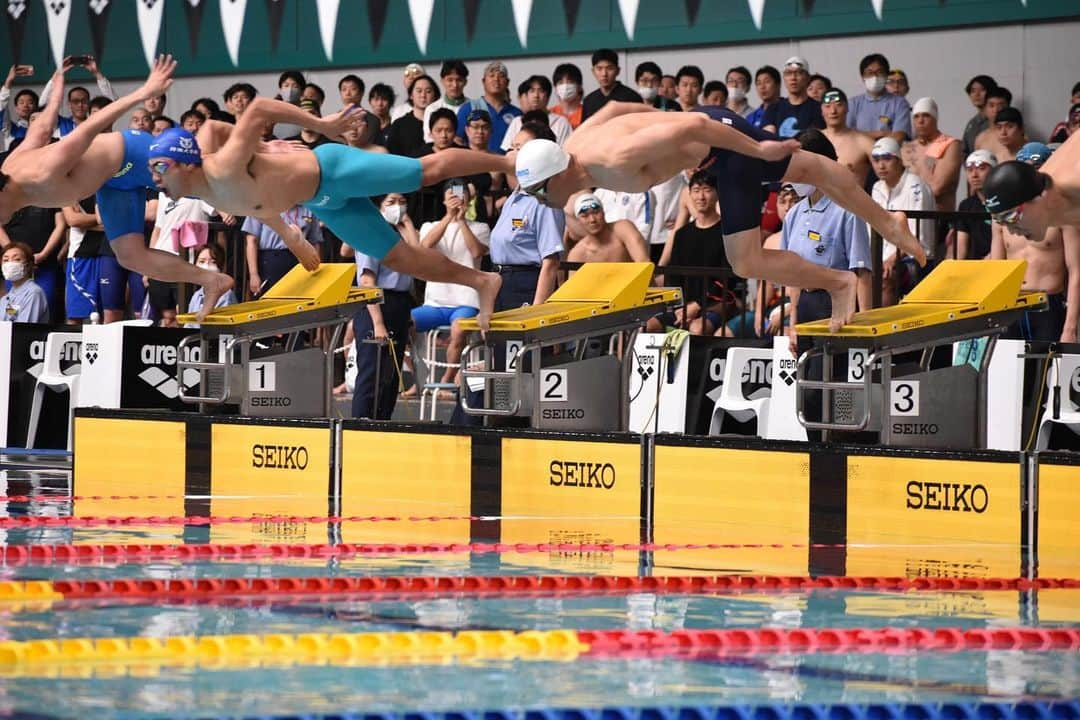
x: 538, y: 160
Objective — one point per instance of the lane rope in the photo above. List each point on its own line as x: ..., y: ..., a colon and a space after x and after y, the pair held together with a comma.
x: 27, y: 521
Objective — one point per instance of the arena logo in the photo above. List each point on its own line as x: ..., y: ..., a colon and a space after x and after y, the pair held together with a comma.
x: 755, y: 378
x: 581, y: 474
x: 279, y: 457
x: 785, y: 370
x: 166, y: 354
x: 951, y: 497
x: 90, y: 352
x: 68, y: 353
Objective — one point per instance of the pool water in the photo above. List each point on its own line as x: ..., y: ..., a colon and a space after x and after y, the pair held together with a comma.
x: 149, y: 687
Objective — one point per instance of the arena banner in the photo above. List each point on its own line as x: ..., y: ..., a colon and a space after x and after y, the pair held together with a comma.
x: 403, y: 471
x: 130, y: 366
x: 576, y: 489
x: 137, y: 461
x: 22, y: 359
x: 250, y: 36
x: 1058, y: 496
x: 913, y: 514
x: 751, y: 496
x: 705, y: 376
x: 265, y: 468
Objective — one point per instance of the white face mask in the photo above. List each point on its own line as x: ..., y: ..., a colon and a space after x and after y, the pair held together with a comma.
x: 290, y: 94
x: 14, y: 271
x: 803, y: 189
x: 874, y: 83
x: 647, y: 93
x: 736, y: 93
x: 393, y: 213
x: 566, y: 91
x: 211, y: 266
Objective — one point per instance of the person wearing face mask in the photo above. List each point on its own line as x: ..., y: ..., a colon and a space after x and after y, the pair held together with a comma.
x: 648, y: 75
x: 738, y: 86
x: 877, y: 112
x: 211, y: 258
x: 567, y: 79
x: 290, y: 86
x: 386, y: 321
x: 25, y: 301
x: 534, y: 94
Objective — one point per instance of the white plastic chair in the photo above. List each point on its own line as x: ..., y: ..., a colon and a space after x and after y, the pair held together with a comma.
x: 731, y: 399
x: 52, y: 378
x: 1058, y: 381
x: 426, y: 367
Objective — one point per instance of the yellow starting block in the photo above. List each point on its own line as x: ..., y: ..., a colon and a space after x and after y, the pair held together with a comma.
x: 570, y: 390
x: 273, y: 377
x: 962, y: 304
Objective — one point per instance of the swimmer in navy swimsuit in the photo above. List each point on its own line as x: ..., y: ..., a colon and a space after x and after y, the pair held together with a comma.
x: 90, y: 160
x: 335, y: 181
x: 631, y: 147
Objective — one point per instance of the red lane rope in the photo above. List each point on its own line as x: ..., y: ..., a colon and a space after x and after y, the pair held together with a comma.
x: 43, y: 498
x: 652, y: 643
x: 524, y: 584
x: 91, y: 521
x: 32, y: 554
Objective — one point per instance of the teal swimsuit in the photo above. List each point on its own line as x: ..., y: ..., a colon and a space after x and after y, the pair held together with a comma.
x: 349, y: 177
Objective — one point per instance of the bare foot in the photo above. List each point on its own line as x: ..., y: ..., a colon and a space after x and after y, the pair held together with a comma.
x: 488, y: 288
x: 902, y: 238
x: 410, y: 393
x: 304, y: 251
x: 843, y: 302
x: 214, y: 289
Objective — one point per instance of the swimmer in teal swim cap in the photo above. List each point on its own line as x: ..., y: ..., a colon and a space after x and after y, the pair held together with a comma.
x: 1030, y: 200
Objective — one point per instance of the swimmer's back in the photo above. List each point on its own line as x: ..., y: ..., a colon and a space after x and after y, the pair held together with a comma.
x: 134, y: 171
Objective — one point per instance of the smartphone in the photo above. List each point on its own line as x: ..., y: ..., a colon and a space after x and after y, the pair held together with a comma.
x: 458, y: 191
x: 81, y: 59
x: 24, y: 69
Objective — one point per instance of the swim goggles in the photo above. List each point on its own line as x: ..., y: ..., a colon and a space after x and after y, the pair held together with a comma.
x: 1009, y: 217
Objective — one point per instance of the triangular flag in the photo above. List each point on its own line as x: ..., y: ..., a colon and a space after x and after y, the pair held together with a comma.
x: 808, y: 7
x: 59, y: 14
x: 570, y: 8
x: 757, y: 10
x: 472, y: 12
x: 420, y: 14
x: 879, y: 5
x: 97, y: 12
x: 17, y: 11
x: 193, y: 9
x: 232, y: 24
x: 522, y: 9
x: 628, y: 10
x: 376, y: 12
x: 1023, y: 2
x: 692, y: 8
x: 328, y: 10
x: 275, y: 11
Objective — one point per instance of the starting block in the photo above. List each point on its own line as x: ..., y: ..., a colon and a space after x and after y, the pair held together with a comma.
x: 571, y: 391
x: 280, y: 383
x: 963, y: 304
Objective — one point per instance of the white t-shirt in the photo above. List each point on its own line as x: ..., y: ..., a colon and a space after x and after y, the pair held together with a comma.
x: 666, y: 195
x: 911, y: 193
x: 636, y: 207
x: 171, y: 213
x: 559, y: 125
x: 452, y: 244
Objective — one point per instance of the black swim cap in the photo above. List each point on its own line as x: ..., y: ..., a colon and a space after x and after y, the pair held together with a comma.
x: 1010, y: 184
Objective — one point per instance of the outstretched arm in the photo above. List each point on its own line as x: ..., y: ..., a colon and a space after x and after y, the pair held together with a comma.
x: 41, y: 130
x: 614, y: 109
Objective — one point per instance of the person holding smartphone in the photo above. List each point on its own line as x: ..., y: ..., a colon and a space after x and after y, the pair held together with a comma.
x: 78, y: 96
x: 15, y: 114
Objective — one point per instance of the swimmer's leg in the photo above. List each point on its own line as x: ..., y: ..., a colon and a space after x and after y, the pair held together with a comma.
x: 132, y: 253
x: 839, y: 184
x: 782, y: 267
x: 454, y: 162
x: 361, y: 226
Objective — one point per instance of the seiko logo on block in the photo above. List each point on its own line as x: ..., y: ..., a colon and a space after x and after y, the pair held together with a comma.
x: 582, y: 474
x: 279, y: 457
x: 952, y: 497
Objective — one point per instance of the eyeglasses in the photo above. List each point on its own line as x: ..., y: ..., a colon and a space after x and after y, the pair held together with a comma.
x: 161, y: 166
x: 1009, y: 217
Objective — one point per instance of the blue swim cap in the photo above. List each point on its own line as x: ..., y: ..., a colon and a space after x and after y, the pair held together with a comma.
x: 177, y: 144
x: 1034, y: 153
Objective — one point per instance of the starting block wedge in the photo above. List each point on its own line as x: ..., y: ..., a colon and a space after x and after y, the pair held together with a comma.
x: 569, y: 390
x: 270, y: 380
x: 963, y: 304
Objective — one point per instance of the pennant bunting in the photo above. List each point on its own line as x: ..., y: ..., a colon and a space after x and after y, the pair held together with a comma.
x: 97, y: 13
x: 193, y: 9
x: 275, y: 12
x: 692, y: 8
x: 879, y: 5
x: 472, y: 12
x: 328, y: 12
x: 232, y: 24
x: 17, y: 11
x: 376, y: 11
x: 420, y: 13
x: 757, y: 10
x: 628, y: 9
x: 522, y: 10
x: 59, y: 15
x: 570, y: 9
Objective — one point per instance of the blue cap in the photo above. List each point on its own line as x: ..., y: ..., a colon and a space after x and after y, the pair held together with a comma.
x: 177, y: 144
x: 1034, y: 153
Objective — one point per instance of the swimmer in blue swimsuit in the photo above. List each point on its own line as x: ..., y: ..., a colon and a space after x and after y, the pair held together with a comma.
x: 335, y: 181
x: 631, y: 147
x: 90, y: 160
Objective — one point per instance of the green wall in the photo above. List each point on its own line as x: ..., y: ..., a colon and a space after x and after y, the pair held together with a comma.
x: 598, y: 24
